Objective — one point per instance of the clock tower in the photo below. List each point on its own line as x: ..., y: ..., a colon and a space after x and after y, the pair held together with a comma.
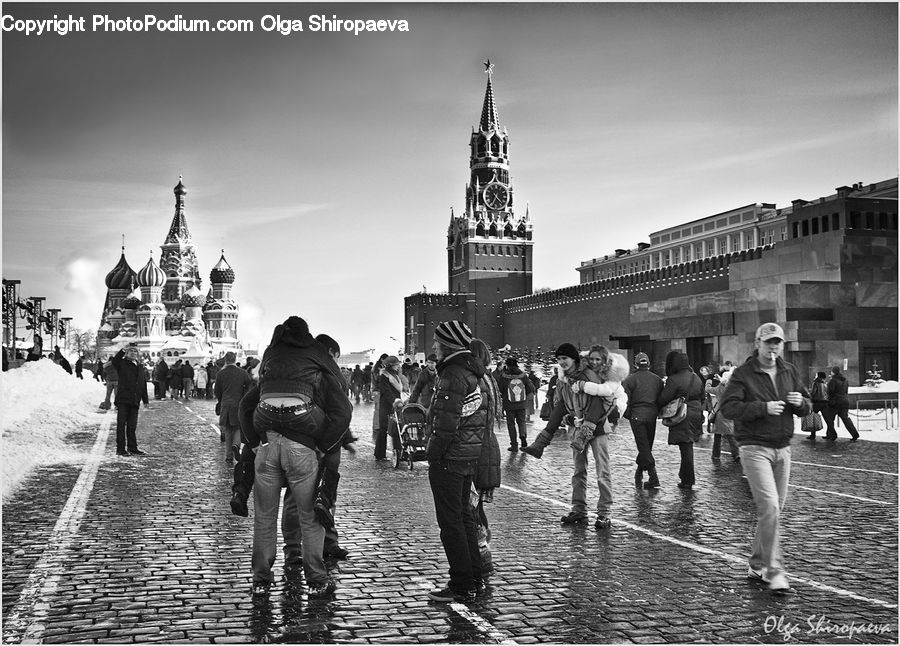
x: 489, y: 248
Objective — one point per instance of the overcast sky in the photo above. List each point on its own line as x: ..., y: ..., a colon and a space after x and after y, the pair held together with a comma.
x: 326, y: 164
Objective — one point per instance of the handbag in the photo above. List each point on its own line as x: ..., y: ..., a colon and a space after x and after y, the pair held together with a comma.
x: 546, y: 409
x: 812, y: 422
x: 674, y: 412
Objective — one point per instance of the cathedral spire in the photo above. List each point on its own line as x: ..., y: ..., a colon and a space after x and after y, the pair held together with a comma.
x: 178, y: 231
x: 489, y: 118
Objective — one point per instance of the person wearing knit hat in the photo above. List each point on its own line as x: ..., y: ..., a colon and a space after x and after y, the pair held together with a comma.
x: 423, y: 389
x: 567, y: 350
x: 515, y: 387
x: 643, y: 388
x: 458, y: 419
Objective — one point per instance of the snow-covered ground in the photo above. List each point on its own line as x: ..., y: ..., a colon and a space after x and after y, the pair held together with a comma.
x: 42, y: 404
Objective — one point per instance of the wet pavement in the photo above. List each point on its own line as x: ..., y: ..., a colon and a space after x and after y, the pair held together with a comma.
x: 145, y: 549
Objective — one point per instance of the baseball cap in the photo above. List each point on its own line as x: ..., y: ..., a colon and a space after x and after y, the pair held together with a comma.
x: 768, y: 331
x: 641, y: 359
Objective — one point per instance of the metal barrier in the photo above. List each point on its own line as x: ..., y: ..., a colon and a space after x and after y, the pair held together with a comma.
x: 886, y: 408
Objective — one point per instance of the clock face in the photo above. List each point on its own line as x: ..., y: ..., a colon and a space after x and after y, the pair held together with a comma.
x: 496, y: 196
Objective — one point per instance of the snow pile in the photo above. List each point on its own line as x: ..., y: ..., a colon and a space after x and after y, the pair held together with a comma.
x: 42, y: 404
x: 885, y: 387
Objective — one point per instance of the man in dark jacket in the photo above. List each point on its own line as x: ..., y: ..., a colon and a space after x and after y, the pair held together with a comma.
x: 643, y: 388
x: 130, y: 392
x: 762, y: 397
x: 838, y: 405
x: 515, y: 388
x: 423, y: 389
x: 187, y: 379
x: 160, y: 377
x: 457, y: 422
x: 302, y: 406
x: 232, y: 384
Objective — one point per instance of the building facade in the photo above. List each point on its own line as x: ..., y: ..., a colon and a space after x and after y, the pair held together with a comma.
x: 162, y: 309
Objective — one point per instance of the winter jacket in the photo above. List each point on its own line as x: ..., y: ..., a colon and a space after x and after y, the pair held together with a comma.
x: 585, y: 408
x: 503, y: 380
x: 231, y: 385
x: 643, y: 389
x: 487, y: 476
x: 201, y: 377
x: 387, y: 394
x: 357, y: 378
x: 681, y: 381
x: 722, y: 425
x: 132, y: 381
x: 109, y: 372
x: 745, y: 397
x: 423, y: 390
x: 457, y: 432
x: 187, y: 370
x: 837, y: 389
x: 212, y: 370
x: 161, y: 372
x: 175, y: 375
x: 296, y: 365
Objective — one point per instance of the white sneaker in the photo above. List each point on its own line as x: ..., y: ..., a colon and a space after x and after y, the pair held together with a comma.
x: 779, y: 584
x: 757, y: 575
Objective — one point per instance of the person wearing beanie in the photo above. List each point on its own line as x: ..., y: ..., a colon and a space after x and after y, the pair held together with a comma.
x: 458, y: 418
x: 392, y: 386
x: 838, y: 405
x: 643, y: 388
x: 423, y: 390
x: 515, y: 387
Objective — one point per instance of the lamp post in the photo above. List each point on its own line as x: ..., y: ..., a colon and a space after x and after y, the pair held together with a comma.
x: 64, y: 332
x: 35, y: 316
x: 10, y: 305
x: 52, y: 326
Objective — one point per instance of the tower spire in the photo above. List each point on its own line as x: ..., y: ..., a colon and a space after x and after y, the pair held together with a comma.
x: 489, y: 118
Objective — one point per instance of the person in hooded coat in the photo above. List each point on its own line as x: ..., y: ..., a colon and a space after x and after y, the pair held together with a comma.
x: 838, y: 406
x: 681, y: 381
x: 392, y: 385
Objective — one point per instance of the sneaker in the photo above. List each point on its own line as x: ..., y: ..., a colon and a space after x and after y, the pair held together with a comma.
x: 757, y: 575
x: 336, y: 551
x: 652, y: 483
x: 138, y: 452
x: 684, y: 485
x: 602, y: 522
x: 533, y: 451
x: 513, y: 448
x: 261, y: 589
x: 779, y: 584
x: 123, y: 453
x: 321, y: 590
x: 480, y: 588
x: 573, y: 517
x: 446, y: 595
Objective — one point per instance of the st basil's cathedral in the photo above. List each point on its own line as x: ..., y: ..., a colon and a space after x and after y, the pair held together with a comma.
x: 162, y: 308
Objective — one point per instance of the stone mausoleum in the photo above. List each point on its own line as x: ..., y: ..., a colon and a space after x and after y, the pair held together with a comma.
x: 825, y: 268
x: 162, y: 308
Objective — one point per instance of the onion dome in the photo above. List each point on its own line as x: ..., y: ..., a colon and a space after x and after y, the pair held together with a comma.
x: 151, y: 275
x: 133, y: 301
x: 193, y: 298
x: 179, y: 188
x: 122, y: 276
x: 222, y: 272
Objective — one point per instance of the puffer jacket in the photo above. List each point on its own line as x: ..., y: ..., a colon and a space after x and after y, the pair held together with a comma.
x: 744, y: 401
x: 837, y: 389
x: 681, y: 381
x: 456, y: 437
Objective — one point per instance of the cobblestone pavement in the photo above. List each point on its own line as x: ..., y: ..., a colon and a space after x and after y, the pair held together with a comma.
x: 145, y: 549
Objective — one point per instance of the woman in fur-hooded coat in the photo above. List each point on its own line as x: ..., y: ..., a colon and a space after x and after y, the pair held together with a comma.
x: 683, y: 382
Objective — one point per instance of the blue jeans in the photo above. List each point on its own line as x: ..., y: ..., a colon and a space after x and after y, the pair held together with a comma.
x: 768, y: 471
x: 599, y: 446
x: 283, y: 462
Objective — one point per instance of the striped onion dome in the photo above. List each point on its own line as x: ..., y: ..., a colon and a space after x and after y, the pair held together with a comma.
x: 151, y: 275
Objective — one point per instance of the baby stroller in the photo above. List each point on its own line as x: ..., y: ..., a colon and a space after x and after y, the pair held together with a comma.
x: 410, y: 420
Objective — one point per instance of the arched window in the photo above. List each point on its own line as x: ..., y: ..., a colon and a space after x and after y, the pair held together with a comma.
x: 508, y: 231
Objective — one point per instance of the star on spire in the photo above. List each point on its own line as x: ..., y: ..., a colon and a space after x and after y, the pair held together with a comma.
x: 488, y: 67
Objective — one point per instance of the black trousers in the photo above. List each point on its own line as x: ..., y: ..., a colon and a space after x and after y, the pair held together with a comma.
x: 844, y: 413
x: 644, y: 431
x: 516, y: 418
x: 686, y: 470
x: 126, y: 427
x: 459, y: 533
x: 381, y: 439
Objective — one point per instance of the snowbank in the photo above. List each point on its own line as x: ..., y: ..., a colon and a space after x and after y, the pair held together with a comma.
x: 42, y: 404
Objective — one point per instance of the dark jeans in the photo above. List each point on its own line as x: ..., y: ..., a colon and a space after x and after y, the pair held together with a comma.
x: 686, y: 470
x: 514, y: 418
x: 644, y: 431
x: 381, y: 439
x: 159, y: 389
x: 459, y: 533
x: 843, y: 412
x: 126, y: 427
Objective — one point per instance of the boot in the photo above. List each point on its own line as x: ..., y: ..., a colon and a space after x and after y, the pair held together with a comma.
x: 638, y: 477
x: 536, y: 448
x: 326, y: 497
x: 652, y: 479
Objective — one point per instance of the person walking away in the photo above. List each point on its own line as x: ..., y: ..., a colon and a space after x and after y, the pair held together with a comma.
x: 423, y: 390
x: 187, y: 379
x: 762, y: 397
x: 721, y: 425
x: 175, y: 379
x: 838, y: 405
x: 487, y: 477
x: 357, y: 378
x: 392, y: 385
x: 681, y: 382
x: 515, y: 387
x: 457, y: 417
x: 130, y: 392
x: 79, y: 367
x: 160, y: 377
x: 367, y: 383
x: 643, y: 388
x: 590, y: 389
x: 232, y: 384
x: 818, y: 391
x: 111, y: 376
x: 302, y: 405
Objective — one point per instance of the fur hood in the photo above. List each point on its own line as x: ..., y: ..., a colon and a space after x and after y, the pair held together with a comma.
x: 618, y: 369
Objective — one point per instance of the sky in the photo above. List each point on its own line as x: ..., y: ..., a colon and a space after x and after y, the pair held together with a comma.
x: 326, y: 164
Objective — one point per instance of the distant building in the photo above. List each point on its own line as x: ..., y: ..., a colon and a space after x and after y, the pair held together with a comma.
x: 162, y: 308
